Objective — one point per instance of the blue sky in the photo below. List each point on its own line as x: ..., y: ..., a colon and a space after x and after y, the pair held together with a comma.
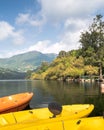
x: 48, y: 26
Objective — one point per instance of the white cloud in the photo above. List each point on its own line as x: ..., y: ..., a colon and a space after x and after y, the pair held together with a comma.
x: 76, y: 24
x: 69, y: 39
x: 57, y: 10
x: 29, y: 19
x: 72, y: 31
x: 48, y: 47
x: 41, y: 46
x: 72, y: 17
x: 5, y: 30
x: 18, y: 38
x: 8, y: 32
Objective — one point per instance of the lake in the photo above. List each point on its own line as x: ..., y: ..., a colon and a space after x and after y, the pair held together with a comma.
x: 48, y: 91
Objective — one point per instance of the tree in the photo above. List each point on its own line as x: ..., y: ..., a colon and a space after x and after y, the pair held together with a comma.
x: 62, y: 54
x: 92, y: 42
x: 90, y: 70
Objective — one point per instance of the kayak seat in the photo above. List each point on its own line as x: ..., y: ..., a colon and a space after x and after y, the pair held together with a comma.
x: 55, y: 108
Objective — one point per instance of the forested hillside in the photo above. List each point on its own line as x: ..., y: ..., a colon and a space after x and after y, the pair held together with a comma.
x: 26, y: 61
x: 9, y: 74
x: 88, y: 60
x: 66, y: 65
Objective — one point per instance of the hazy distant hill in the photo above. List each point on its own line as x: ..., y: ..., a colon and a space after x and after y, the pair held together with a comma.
x: 26, y: 61
x: 9, y: 74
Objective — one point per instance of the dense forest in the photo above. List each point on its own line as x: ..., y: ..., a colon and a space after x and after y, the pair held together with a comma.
x: 88, y: 60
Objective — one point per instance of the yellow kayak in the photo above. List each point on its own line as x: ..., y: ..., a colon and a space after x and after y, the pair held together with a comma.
x: 90, y: 123
x: 46, y: 114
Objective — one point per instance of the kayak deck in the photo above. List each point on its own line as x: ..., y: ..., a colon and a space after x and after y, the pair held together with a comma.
x: 68, y: 112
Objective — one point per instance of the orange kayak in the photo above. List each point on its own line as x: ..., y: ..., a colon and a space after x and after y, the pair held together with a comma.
x: 15, y: 102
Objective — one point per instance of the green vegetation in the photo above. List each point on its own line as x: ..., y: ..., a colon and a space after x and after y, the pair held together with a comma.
x: 65, y: 66
x: 9, y: 74
x: 88, y: 60
x: 85, y: 61
x: 26, y: 61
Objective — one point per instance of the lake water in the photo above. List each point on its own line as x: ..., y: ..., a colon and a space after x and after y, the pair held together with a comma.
x: 48, y: 91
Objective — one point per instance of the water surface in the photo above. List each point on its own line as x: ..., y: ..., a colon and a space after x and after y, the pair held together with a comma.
x: 48, y: 91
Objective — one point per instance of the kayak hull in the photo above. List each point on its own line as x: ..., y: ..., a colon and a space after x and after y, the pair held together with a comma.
x: 90, y: 123
x: 15, y: 102
x: 43, y: 114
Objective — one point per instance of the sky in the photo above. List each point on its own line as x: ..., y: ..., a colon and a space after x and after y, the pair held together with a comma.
x: 47, y: 26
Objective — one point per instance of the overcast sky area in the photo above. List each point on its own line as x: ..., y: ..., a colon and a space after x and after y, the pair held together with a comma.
x: 48, y: 26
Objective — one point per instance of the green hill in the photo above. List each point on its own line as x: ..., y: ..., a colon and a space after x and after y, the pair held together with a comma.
x: 26, y: 61
x: 9, y: 74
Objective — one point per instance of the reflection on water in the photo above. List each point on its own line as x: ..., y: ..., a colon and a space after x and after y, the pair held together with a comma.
x: 47, y: 91
x: 62, y: 92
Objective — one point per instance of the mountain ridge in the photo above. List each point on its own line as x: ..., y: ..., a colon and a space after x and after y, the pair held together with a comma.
x: 26, y: 61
